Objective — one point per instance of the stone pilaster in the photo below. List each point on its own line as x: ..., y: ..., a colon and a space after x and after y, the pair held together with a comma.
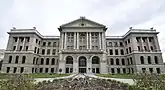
x: 65, y: 40
x: 90, y: 41
x: 99, y: 40
x: 87, y: 41
x: 74, y: 40
x: 77, y: 40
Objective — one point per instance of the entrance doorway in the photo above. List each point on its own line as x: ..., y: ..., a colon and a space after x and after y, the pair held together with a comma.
x: 82, y: 64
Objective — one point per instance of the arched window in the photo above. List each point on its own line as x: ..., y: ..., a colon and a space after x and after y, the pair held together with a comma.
x: 82, y: 61
x: 42, y: 61
x: 53, y: 61
x: 69, y: 60
x: 117, y: 62
x: 156, y: 60
x: 95, y: 60
x: 10, y: 59
x: 47, y: 61
x: 112, y: 62
x: 149, y: 60
x: 34, y: 60
x: 142, y: 59
x: 23, y: 59
x: 16, y: 59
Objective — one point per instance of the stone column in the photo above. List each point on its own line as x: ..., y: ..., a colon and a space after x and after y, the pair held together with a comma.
x: 62, y: 40
x: 77, y: 40
x: 99, y: 40
x: 148, y: 43
x: 17, y: 45
x: 87, y: 40
x: 75, y: 66
x: 65, y: 40
x: 103, y: 41
x: 156, y: 44
x: 74, y: 40
x: 134, y: 44
x: 90, y: 42
x: 89, y: 65
x: 23, y: 47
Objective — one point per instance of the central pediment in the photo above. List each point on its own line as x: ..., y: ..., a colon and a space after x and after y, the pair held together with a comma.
x: 82, y: 22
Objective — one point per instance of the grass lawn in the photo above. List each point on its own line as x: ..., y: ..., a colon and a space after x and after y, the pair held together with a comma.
x: 5, y: 76
x: 122, y: 76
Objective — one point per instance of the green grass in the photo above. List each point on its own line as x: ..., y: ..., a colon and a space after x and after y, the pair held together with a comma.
x: 6, y: 76
x: 122, y: 76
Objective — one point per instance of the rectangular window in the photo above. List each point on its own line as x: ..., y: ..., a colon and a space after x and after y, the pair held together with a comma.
x: 127, y: 50
x: 21, y: 38
x: 139, y: 48
x: 15, y: 39
x: 121, y: 44
x: 145, y: 48
x: 27, y: 39
x: 22, y: 70
x: 48, y: 51
x: 112, y: 70
x: 150, y: 39
x: 118, y: 70
x: 20, y: 48
x: 54, y: 52
x: 41, y: 69
x: 124, y: 70
x: 138, y: 39
x: 128, y: 40
x: 123, y: 62
x: 110, y: 44
x: 15, y: 70
x: 8, y: 70
x: 121, y: 51
x: 115, y: 44
x: 43, y: 51
x: 44, y: 44
x: 46, y: 70
x: 14, y: 48
x: 27, y: 48
x: 111, y: 52
x: 52, y: 70
x: 158, y: 70
x: 151, y: 70
x: 151, y: 48
x: 35, y: 49
x: 130, y: 50
x: 143, y: 70
x: 36, y: 40
x: 116, y: 52
x: 144, y: 39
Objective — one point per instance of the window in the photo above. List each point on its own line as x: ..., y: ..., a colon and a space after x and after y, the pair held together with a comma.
x: 116, y: 52
x: 38, y: 51
x: 15, y: 39
x: 118, y: 70
x: 53, y: 61
x: 32, y: 70
x: 17, y: 58
x: 151, y: 48
x: 70, y: 37
x: 112, y: 70
x: 130, y: 50
x: 34, y: 60
x: 115, y: 44
x: 52, y: 70
x: 54, y: 52
x: 117, y: 61
x: 149, y: 60
x: 8, y: 70
x: 110, y: 44
x: 150, y: 39
x: 124, y: 70
x: 42, y: 61
x: 144, y: 39
x: 69, y: 60
x: 54, y: 44
x: 95, y: 60
x: 111, y: 52
x: 142, y: 59
x: 21, y: 38
x: 156, y: 60
x: 20, y: 48
x: 48, y: 51
x: 41, y: 70
x: 27, y: 39
x: 14, y: 47
x: 123, y: 61
x: 145, y: 48
x: 44, y: 44
x: 43, y: 51
x: 26, y: 48
x: 23, y: 59
x: 143, y: 70
x: 127, y: 50
x: 128, y: 40
x: 121, y: 44
x: 131, y: 62
x: 10, y: 59
x: 15, y: 70
x: 151, y: 70
x: 132, y: 70
x: 158, y: 70
x: 112, y: 62
x: 139, y: 48
x: 36, y: 40
x: 22, y: 70
x: 47, y: 61
x: 49, y: 44
x: 138, y: 39
x: 128, y: 61
x: 35, y: 49
x: 46, y: 70
x: 125, y: 43
x: 121, y: 51
x: 39, y: 42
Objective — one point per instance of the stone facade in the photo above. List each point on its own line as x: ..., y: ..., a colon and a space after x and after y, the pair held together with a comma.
x: 82, y: 47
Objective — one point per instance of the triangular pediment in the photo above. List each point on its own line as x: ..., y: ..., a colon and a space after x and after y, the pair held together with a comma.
x: 82, y: 22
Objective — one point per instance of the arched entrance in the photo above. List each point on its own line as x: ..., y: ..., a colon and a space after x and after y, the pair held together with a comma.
x: 82, y: 64
x: 69, y: 64
x: 95, y: 64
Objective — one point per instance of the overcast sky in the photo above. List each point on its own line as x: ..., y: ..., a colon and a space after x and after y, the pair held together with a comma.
x: 48, y: 15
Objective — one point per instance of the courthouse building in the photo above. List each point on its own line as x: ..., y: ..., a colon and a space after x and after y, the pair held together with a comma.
x: 83, y: 47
